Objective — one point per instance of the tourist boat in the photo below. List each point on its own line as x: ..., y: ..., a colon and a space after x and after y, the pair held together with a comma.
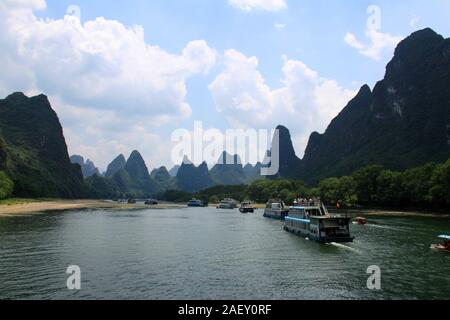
x: 313, y: 222
x: 275, y: 209
x: 196, y: 203
x: 227, y: 204
x: 151, y: 202
x: 361, y: 221
x: 131, y: 201
x: 444, y: 246
x: 246, y: 207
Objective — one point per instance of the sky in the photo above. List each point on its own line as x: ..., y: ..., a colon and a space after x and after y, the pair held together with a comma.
x: 124, y: 75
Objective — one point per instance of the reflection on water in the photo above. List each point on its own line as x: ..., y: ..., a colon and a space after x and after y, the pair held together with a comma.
x: 204, y: 253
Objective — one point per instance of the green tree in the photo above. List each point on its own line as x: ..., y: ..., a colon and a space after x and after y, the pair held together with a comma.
x: 389, y: 188
x: 416, y: 185
x: 214, y: 199
x: 366, y: 184
x: 329, y: 190
x: 101, y: 187
x: 440, y: 185
x: 287, y: 196
x: 347, y: 191
x: 335, y: 190
x: 6, y: 186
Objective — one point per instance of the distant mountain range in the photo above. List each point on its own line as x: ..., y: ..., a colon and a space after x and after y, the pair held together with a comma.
x: 87, y: 167
x: 115, y: 166
x: 403, y: 122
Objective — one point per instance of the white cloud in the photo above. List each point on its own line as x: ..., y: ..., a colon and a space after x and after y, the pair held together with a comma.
x: 105, y: 65
x: 23, y: 4
x: 265, y: 5
x: 101, y: 135
x: 101, y: 73
x: 279, y: 26
x: 305, y: 102
x: 414, y: 21
x: 379, y: 43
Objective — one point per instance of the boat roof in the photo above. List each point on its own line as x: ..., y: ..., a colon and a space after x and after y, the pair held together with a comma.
x: 444, y: 237
x: 304, y: 208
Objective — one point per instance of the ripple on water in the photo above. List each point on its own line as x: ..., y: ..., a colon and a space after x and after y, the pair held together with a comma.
x: 211, y: 254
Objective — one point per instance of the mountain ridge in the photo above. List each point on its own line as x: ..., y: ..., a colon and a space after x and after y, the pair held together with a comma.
x: 402, y: 123
x: 33, y: 149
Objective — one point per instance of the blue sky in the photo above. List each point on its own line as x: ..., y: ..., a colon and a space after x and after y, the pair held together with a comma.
x: 313, y: 33
x: 299, y: 47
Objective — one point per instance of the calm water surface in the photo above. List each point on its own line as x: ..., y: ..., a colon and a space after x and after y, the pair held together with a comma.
x: 214, y: 254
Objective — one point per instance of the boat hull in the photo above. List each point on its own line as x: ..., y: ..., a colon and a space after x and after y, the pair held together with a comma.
x: 305, y: 234
x: 247, y: 210
x: 276, y: 214
x: 196, y: 204
x: 438, y: 247
x: 226, y: 207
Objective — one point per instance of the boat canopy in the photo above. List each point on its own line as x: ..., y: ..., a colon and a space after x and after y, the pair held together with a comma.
x: 444, y: 237
x: 303, y: 208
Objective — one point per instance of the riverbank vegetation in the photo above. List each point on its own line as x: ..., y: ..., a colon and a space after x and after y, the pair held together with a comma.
x: 424, y: 187
x: 22, y: 201
x: 6, y: 186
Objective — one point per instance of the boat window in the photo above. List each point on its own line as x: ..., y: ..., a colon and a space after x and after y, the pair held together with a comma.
x: 276, y: 206
x: 331, y: 224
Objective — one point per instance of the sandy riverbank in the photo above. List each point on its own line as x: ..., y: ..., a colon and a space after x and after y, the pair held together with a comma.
x: 60, y: 205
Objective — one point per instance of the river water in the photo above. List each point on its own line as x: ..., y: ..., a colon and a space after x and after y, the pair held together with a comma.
x: 214, y: 254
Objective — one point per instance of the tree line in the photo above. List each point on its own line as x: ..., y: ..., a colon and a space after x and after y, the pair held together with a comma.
x: 423, y: 187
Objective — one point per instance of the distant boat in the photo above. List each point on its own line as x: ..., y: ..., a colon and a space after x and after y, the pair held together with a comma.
x: 151, y: 202
x: 444, y: 246
x: 131, y: 201
x: 227, y: 204
x: 361, y: 221
x: 315, y: 223
x: 196, y: 203
x: 246, y: 207
x: 275, y: 209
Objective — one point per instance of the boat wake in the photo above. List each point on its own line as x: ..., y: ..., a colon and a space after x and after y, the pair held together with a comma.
x: 343, y: 246
x: 386, y: 227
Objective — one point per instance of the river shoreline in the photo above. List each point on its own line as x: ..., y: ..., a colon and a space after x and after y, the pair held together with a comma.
x: 38, y: 206
x: 399, y: 213
x: 26, y: 208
